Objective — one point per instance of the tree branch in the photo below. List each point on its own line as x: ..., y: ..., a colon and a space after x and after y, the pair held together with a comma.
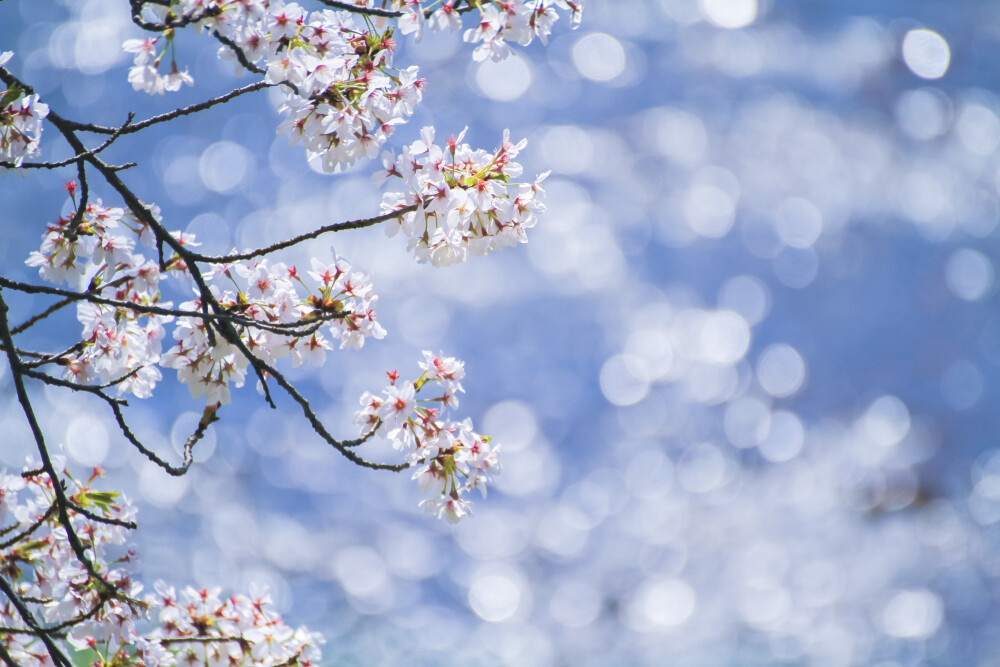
x: 355, y: 9
x: 17, y: 374
x: 30, y: 529
x: 288, y: 243
x: 114, y: 132
x: 102, y: 519
x: 296, y: 329
x: 131, y: 128
x: 22, y: 609
x: 139, y: 5
x: 175, y: 471
x: 241, y: 57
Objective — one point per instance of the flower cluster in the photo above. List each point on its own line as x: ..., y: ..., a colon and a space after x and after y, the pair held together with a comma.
x: 273, y: 320
x: 36, y: 557
x: 500, y: 22
x: 96, y: 246
x: 145, y: 73
x: 464, y: 198
x: 449, y: 458
x: 20, y: 122
x: 343, y: 97
x: 122, y: 344
x: 196, y: 627
x: 349, y: 98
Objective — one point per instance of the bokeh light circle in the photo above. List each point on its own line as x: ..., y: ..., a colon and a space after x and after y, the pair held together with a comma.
x: 624, y: 380
x: 224, y: 166
x: 599, y: 57
x: 969, y: 274
x: 926, y: 53
x: 729, y: 14
x: 504, y: 81
x: 781, y: 370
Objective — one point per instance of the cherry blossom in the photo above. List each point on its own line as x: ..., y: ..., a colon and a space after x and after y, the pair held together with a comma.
x: 162, y: 628
x: 269, y: 293
x: 465, y: 199
x: 145, y: 75
x: 64, y: 543
x: 122, y: 346
x: 21, y: 118
x: 501, y: 22
x: 343, y: 97
x: 449, y: 458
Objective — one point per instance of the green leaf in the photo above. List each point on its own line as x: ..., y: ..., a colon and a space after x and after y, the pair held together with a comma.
x: 87, y: 657
x: 13, y: 94
x: 102, y: 499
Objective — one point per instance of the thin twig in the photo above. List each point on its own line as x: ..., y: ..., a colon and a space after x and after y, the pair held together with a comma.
x: 204, y: 640
x: 175, y: 471
x: 76, y: 386
x: 30, y: 529
x: 114, y: 132
x: 17, y: 375
x: 22, y: 609
x: 93, y: 516
x: 295, y: 240
x: 139, y: 5
x: 49, y: 358
x: 4, y: 655
x: 62, y: 304
x: 169, y: 115
x: 241, y: 57
x: 355, y: 9
x: 295, y: 329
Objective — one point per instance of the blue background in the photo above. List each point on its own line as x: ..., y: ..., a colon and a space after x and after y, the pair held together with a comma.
x: 810, y: 474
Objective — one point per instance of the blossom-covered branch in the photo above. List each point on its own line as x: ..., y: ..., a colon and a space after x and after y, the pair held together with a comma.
x: 146, y: 300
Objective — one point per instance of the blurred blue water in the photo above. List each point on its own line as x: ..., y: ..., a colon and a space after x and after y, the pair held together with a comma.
x: 669, y: 497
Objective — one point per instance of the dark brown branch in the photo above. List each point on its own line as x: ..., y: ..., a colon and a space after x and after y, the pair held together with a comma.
x: 42, y: 358
x: 30, y: 529
x: 241, y: 57
x: 56, y: 631
x: 355, y: 9
x: 115, y: 405
x: 49, y: 358
x: 5, y: 656
x: 62, y: 304
x: 200, y: 106
x: 169, y: 115
x: 114, y: 132
x: 27, y: 324
x: 211, y: 309
x: 296, y: 329
x: 17, y: 375
x: 76, y: 386
x: 93, y: 516
x: 198, y: 639
x: 342, y: 446
x: 22, y: 609
x: 180, y: 22
x: 387, y: 13
x: 287, y: 243
x: 175, y: 471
